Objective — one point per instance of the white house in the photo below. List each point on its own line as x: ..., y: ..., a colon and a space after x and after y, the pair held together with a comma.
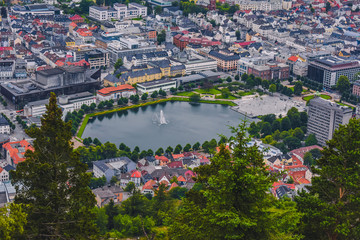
x: 4, y: 126
x: 113, y: 167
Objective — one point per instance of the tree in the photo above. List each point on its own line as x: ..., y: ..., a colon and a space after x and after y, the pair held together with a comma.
x: 159, y: 152
x: 276, y: 125
x: 177, y: 192
x: 308, y: 159
x: 180, y: 88
x: 298, y: 133
x: 118, y: 63
x: 158, y: 10
x: 154, y: 94
x: 144, y: 96
x: 285, y: 124
x: 178, y: 149
x: 54, y: 182
x: 101, y: 105
x: 111, y: 211
x: 12, y: 221
x: 234, y: 201
x: 187, y: 147
x: 272, y: 88
x: 316, y: 153
x: 311, y: 140
x: 99, y: 2
x: 161, y: 37
x: 244, y: 77
x: 343, y: 84
x: 331, y: 208
x: 298, y: 88
x: 92, y: 106
x: 196, y: 146
x: 125, y: 100
x: 97, y: 142
x: 266, y: 129
x: 173, y: 90
x: 101, y: 219
x: 237, y: 78
x: 225, y: 93
x: 169, y: 150
x: 113, y: 180
x: 162, y: 93
x: 228, y: 79
x: 195, y: 98
x: 292, y: 142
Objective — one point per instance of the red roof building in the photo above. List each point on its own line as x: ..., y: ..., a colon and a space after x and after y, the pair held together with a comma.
x: 14, y: 151
x: 108, y: 93
x: 175, y: 164
x: 77, y: 19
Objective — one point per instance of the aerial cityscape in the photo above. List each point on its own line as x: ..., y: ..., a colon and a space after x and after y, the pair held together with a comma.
x: 180, y: 119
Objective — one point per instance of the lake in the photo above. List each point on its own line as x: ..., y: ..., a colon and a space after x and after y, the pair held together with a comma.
x: 186, y: 123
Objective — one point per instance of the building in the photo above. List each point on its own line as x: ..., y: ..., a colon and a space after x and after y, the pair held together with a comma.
x: 117, y: 92
x: 356, y: 88
x: 14, y: 151
x: 35, y: 10
x: 68, y: 103
x: 7, y: 68
x: 7, y: 193
x: 327, y: 70
x: 152, y: 86
x: 119, y: 11
x: 270, y: 70
x: 200, y: 65
x: 62, y: 81
x: 226, y: 60
x: 98, y: 58
x: 324, y: 117
x: 104, y: 195
x: 4, y: 125
x: 113, y: 167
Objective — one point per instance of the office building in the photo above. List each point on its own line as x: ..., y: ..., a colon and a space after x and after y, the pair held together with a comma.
x: 327, y: 70
x: 152, y: 86
x: 119, y: 11
x: 324, y: 117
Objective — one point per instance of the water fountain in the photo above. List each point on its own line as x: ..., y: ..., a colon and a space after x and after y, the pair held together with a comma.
x: 160, y: 119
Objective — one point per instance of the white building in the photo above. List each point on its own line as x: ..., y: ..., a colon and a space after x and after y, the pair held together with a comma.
x: 117, y: 92
x: 68, y: 103
x: 113, y: 167
x: 200, y: 65
x: 156, y: 85
x: 4, y: 126
x: 119, y: 11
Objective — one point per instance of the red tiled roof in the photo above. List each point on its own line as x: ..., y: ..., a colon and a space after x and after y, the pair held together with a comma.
x: 136, y: 174
x: 162, y: 158
x: 301, y: 151
x: 13, y: 149
x: 149, y: 185
x: 293, y: 58
x: 173, y: 185
x: 181, y: 179
x: 75, y: 17
x: 120, y: 88
x: 176, y: 156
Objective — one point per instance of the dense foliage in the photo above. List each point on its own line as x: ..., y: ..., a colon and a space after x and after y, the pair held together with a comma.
x: 53, y: 183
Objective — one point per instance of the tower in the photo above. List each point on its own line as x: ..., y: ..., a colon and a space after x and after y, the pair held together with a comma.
x: 168, y: 38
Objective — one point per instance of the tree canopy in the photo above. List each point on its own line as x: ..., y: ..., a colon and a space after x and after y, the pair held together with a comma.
x: 54, y: 182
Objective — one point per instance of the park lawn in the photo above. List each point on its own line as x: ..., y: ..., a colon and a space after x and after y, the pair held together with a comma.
x: 241, y: 94
x: 304, y: 90
x: 184, y: 94
x: 210, y: 91
x: 307, y: 98
x: 221, y: 97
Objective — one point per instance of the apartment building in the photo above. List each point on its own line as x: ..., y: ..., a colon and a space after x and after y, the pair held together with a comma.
x: 119, y: 11
x: 327, y: 70
x: 226, y: 60
x: 356, y: 88
x: 324, y: 117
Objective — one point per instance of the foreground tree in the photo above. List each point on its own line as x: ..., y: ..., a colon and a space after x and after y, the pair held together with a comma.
x: 54, y: 183
x: 234, y: 202
x: 12, y: 221
x: 343, y: 84
x: 332, y: 207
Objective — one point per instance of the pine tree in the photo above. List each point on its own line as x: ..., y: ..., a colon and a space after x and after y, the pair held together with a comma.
x: 332, y: 208
x: 54, y: 184
x: 233, y: 202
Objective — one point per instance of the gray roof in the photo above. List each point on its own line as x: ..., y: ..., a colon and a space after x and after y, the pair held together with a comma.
x: 103, y: 166
x: 3, y: 121
x: 156, y: 82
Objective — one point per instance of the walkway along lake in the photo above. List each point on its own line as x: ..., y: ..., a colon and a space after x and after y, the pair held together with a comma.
x: 185, y: 123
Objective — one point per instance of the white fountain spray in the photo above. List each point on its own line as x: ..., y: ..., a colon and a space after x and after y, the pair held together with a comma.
x: 160, y: 119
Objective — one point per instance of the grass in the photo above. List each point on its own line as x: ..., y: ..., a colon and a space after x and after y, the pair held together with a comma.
x: 241, y: 94
x: 304, y: 90
x: 88, y: 116
x: 185, y: 94
x: 307, y: 98
x: 221, y: 97
x: 210, y: 91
